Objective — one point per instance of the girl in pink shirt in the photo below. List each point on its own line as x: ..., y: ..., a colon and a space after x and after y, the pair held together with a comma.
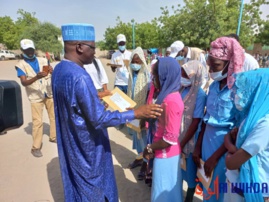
x: 167, y: 180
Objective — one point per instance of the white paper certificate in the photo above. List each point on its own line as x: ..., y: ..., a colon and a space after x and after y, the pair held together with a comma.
x: 135, y: 122
x: 119, y: 101
x: 202, y: 177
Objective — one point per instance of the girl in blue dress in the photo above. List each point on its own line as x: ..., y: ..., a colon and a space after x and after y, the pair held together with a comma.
x: 226, y: 57
x: 248, y: 153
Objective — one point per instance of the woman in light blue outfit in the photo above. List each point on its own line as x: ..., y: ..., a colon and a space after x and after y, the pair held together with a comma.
x: 137, y: 90
x: 225, y: 58
x: 248, y: 158
x: 194, y: 106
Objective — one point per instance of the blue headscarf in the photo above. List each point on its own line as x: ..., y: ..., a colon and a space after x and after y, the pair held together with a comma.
x: 169, y: 72
x: 252, y: 88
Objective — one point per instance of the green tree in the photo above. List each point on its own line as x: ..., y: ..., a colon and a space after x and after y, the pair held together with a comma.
x: 45, y: 36
x: 120, y: 28
x: 263, y: 36
x: 8, y: 32
x: 24, y: 22
x: 146, y: 34
x: 201, y: 21
x: 101, y: 45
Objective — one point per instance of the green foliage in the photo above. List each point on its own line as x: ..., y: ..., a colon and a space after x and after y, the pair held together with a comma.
x: 263, y: 36
x: 146, y: 35
x: 197, y: 23
x: 26, y: 19
x: 24, y: 22
x: 100, y: 44
x: 7, y: 32
x: 201, y: 21
x: 45, y: 36
x: 111, y: 35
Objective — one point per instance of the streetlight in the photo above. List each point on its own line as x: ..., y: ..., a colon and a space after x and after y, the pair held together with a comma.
x: 240, y: 17
x: 133, y: 26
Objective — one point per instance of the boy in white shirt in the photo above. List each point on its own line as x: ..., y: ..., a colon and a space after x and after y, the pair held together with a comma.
x: 121, y: 55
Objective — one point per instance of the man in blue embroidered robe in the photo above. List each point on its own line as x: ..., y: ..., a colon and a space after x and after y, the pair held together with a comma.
x: 82, y: 121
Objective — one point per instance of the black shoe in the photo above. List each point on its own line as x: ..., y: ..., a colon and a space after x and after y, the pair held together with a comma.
x: 141, y: 175
x: 135, y: 163
x: 36, y: 153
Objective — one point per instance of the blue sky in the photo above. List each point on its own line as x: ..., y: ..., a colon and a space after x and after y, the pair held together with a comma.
x: 100, y: 13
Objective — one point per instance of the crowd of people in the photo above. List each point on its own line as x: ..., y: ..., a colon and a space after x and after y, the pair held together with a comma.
x: 208, y: 109
x: 263, y: 60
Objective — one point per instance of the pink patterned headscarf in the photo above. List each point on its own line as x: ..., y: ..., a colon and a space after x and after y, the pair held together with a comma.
x: 225, y: 48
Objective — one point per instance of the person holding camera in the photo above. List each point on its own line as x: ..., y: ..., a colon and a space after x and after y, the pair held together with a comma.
x: 35, y: 76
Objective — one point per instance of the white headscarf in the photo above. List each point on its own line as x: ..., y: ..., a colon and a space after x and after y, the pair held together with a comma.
x: 141, y: 85
x: 194, y: 70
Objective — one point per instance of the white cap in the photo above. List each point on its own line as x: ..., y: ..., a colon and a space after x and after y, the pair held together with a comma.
x: 175, y: 48
x: 121, y: 37
x: 27, y: 43
x: 168, y: 49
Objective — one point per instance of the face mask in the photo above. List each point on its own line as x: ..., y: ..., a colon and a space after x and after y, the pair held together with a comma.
x: 122, y: 48
x: 26, y: 56
x: 179, y: 58
x: 185, y: 82
x: 217, y: 76
x: 135, y: 67
x: 237, y: 103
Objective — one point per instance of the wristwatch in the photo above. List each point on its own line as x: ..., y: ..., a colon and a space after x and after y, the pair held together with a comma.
x: 150, y: 151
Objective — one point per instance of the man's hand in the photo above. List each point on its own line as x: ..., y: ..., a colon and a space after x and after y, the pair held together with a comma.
x: 210, y: 164
x: 113, y: 68
x: 50, y: 69
x: 233, y: 134
x: 229, y: 144
x: 148, y: 111
x: 182, y: 145
x: 104, y: 93
x: 41, y: 75
x: 196, y: 156
x: 147, y: 155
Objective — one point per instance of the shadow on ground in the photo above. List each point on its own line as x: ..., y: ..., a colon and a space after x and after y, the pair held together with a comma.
x: 55, y: 180
x: 46, y: 128
x: 130, y: 190
x: 124, y: 130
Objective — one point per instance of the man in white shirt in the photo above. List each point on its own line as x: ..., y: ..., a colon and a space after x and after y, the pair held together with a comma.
x: 121, y: 55
x: 184, y: 53
x: 99, y: 77
x: 98, y: 74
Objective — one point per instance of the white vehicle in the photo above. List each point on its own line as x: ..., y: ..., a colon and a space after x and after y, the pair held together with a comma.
x: 5, y: 54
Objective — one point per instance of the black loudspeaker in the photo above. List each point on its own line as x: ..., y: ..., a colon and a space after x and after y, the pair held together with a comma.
x: 11, y: 115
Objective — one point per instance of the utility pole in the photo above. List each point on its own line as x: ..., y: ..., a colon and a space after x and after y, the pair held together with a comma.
x: 133, y: 25
x: 240, y: 17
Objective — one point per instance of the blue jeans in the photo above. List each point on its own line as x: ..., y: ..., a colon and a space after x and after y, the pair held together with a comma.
x: 122, y: 88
